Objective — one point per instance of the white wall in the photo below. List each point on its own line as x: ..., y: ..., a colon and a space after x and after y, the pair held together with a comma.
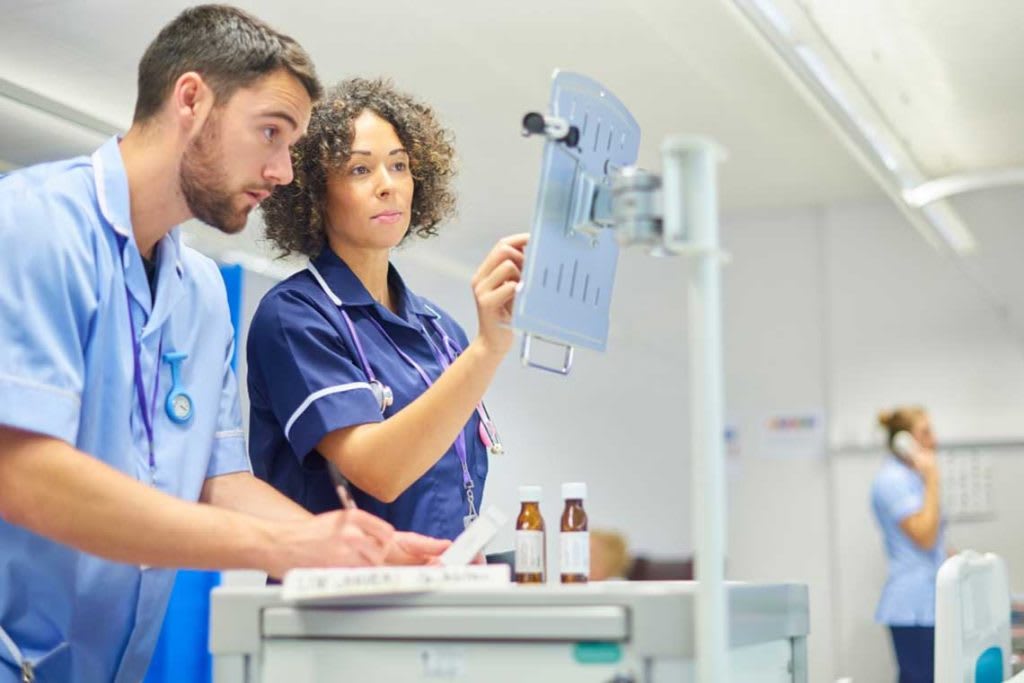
x: 843, y: 309
x: 909, y: 325
x: 775, y: 355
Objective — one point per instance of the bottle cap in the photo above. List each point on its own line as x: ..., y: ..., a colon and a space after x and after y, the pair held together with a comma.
x: 574, y: 490
x: 529, y: 494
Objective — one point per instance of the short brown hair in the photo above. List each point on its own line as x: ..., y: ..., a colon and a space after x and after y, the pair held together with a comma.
x: 295, y: 214
x: 901, y: 419
x: 229, y: 48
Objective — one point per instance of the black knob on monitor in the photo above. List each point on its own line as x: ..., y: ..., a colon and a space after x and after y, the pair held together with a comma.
x: 533, y: 124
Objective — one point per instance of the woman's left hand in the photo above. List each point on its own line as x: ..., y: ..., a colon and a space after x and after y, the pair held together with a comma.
x: 408, y: 547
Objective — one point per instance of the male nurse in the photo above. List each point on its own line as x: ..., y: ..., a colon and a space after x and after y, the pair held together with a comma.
x: 121, y: 446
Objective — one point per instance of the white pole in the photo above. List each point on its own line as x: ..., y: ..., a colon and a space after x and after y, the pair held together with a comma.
x: 690, y: 205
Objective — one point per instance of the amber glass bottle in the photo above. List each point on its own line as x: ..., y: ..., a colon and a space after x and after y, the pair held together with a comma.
x: 574, y: 539
x: 531, y: 539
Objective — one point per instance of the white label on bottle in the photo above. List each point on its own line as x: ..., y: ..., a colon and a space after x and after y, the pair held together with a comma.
x: 529, y: 552
x: 575, y: 552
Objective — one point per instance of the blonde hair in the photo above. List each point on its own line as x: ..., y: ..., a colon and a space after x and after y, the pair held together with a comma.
x: 900, y: 419
x: 615, y: 550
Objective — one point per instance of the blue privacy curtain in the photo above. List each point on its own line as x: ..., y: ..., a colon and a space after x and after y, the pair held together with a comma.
x: 182, y: 653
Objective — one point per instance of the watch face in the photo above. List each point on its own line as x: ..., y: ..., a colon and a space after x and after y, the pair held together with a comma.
x: 182, y: 406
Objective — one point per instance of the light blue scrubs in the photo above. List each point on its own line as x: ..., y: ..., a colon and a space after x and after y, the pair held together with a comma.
x: 908, y: 598
x: 306, y: 380
x: 66, y: 371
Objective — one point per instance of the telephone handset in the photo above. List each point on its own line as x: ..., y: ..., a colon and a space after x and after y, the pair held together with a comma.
x: 905, y: 446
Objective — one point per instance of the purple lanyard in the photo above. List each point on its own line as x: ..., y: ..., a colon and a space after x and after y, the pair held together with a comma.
x: 460, y: 440
x: 486, y: 426
x: 359, y: 347
x: 488, y: 434
x: 449, y: 345
x: 148, y: 411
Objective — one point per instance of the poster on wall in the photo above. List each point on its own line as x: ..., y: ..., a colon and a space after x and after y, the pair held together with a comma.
x: 793, y: 434
x: 966, y: 485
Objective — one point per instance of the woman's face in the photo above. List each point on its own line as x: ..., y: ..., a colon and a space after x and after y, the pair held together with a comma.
x: 922, y: 432
x: 369, y: 199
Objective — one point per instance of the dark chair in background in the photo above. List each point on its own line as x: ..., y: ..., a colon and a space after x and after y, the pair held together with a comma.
x: 648, y: 569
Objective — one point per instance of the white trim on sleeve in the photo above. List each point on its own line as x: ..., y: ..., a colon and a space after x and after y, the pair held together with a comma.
x: 316, y: 395
x: 66, y: 393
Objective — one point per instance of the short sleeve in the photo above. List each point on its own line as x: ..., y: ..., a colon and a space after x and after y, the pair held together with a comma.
x: 48, y: 300
x: 305, y: 372
x: 228, y: 453
x: 898, y: 497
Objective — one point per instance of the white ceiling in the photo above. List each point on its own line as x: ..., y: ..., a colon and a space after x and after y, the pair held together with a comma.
x: 681, y: 66
x: 943, y: 74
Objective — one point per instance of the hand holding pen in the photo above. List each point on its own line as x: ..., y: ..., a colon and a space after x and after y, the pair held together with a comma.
x: 405, y: 547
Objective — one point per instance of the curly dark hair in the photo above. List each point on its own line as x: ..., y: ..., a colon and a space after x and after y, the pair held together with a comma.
x: 294, y: 214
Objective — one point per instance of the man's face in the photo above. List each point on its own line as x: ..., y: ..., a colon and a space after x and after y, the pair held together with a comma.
x: 243, y: 150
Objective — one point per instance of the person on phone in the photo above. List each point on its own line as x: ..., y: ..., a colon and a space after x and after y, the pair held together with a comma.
x: 905, y: 500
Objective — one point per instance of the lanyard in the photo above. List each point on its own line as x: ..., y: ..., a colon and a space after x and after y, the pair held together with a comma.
x: 359, y: 347
x: 488, y: 433
x: 449, y: 345
x: 460, y: 440
x: 148, y: 410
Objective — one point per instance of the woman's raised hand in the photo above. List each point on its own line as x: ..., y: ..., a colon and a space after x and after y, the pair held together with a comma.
x: 494, y: 288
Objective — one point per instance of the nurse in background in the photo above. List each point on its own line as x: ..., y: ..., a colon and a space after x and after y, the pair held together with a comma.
x: 346, y: 363
x: 905, y: 499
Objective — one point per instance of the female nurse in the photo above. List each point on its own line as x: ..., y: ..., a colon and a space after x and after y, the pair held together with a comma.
x: 905, y: 498
x: 347, y: 364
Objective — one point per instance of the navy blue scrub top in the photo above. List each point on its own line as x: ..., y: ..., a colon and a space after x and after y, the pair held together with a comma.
x: 305, y: 381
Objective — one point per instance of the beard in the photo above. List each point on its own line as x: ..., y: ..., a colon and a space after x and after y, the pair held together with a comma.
x: 204, y: 182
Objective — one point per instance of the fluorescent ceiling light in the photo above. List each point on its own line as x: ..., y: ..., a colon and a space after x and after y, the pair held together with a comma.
x: 771, y: 13
x: 824, y: 78
x: 934, y: 190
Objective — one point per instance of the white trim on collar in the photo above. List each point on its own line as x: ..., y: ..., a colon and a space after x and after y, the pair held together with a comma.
x: 323, y: 284
x: 101, y: 193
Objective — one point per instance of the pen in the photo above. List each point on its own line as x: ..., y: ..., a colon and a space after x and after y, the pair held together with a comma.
x: 341, y: 485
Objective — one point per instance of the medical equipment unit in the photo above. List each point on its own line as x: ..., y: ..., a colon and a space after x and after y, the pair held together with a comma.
x: 608, y: 632
x: 591, y: 200
x: 972, y: 619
